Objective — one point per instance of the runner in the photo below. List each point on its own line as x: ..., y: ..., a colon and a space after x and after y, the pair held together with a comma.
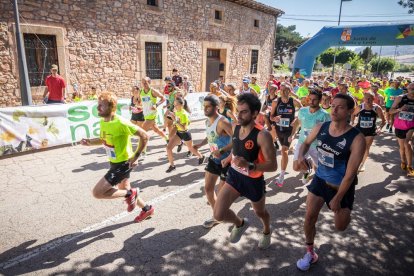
x: 391, y: 93
x: 227, y: 108
x: 267, y: 109
x: 308, y: 117
x: 149, y: 97
x: 339, y: 156
x: 115, y: 135
x: 137, y: 117
x: 219, y: 133
x: 367, y: 114
x: 283, y: 115
x: 181, y: 120
x: 246, y: 87
x: 253, y: 154
x: 404, y: 127
x: 326, y: 101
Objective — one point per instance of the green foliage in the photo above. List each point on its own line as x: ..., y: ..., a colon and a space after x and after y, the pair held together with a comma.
x: 282, y: 69
x: 367, y: 55
x: 407, y: 4
x: 357, y: 63
x: 287, y: 41
x: 404, y: 68
x: 382, y: 65
x: 342, y: 56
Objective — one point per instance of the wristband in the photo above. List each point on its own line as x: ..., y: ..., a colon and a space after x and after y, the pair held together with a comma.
x: 221, y: 151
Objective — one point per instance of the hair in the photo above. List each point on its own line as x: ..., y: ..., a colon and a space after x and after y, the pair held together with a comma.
x: 183, y: 102
x: 213, y: 99
x: 174, y: 70
x: 350, y: 103
x: 229, y: 102
x: 93, y: 87
x: 327, y: 94
x: 316, y: 93
x: 370, y: 93
x: 136, y: 87
x: 251, y: 100
x: 110, y: 98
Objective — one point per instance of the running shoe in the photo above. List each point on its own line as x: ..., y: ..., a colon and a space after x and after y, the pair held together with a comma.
x: 403, y: 166
x: 210, y: 223
x: 170, y: 169
x: 237, y: 232
x: 143, y: 215
x: 201, y: 160
x: 188, y: 154
x: 132, y: 200
x: 180, y: 147
x: 305, y: 263
x: 279, y: 182
x: 264, y: 241
x: 390, y: 130
x: 276, y: 145
x: 410, y: 172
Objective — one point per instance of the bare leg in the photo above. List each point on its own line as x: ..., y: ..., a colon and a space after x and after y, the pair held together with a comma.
x: 260, y: 210
x: 209, y: 185
x: 104, y: 190
x: 313, y: 207
x: 190, y: 147
x: 175, y: 140
x: 409, y: 148
x: 225, y: 199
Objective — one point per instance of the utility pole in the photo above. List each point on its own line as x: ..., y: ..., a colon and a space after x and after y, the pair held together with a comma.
x: 25, y: 91
x: 339, y: 22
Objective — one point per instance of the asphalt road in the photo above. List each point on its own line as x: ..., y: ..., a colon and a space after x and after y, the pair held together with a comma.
x: 51, y: 224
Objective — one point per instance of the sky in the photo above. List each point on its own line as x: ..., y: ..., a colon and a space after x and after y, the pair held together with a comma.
x: 355, y: 10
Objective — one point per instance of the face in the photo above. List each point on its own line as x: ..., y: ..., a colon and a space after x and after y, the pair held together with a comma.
x: 54, y: 71
x: 135, y: 91
x: 244, y: 116
x: 284, y: 92
x: 314, y: 101
x: 177, y: 105
x: 340, y: 111
x: 103, y: 108
x: 209, y: 109
x: 93, y: 91
x: 410, y: 89
x: 368, y: 99
x: 326, y: 100
x: 253, y: 80
x: 145, y: 83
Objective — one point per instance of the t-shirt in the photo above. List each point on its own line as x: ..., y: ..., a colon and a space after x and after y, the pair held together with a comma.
x: 308, y: 120
x: 381, y: 92
x: 359, y: 95
x: 390, y: 95
x: 303, y: 92
x: 178, y: 80
x: 183, y: 118
x: 115, y: 136
x: 255, y: 88
x: 55, y: 86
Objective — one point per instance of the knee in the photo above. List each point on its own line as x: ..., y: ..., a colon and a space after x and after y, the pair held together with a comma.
x: 341, y: 226
x: 310, y: 219
x: 96, y: 193
x: 261, y: 213
x: 296, y: 166
x: 209, y: 189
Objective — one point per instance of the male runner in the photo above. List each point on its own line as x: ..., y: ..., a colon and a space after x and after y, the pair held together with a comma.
x: 219, y: 133
x: 340, y: 148
x: 253, y: 153
x: 115, y: 135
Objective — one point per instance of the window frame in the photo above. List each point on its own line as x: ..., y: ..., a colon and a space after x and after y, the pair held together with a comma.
x: 253, y: 68
x: 155, y: 54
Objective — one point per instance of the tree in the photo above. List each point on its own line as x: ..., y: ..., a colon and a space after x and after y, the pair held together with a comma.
x: 342, y: 56
x: 382, y: 65
x: 407, y: 4
x: 367, y: 55
x: 287, y: 41
x: 357, y: 63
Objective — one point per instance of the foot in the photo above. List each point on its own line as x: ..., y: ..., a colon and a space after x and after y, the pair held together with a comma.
x: 188, y: 154
x: 170, y: 169
x: 180, y: 147
x: 403, y: 166
x: 144, y: 215
x: 410, y: 172
x: 305, y: 263
x: 361, y: 168
x: 390, y: 130
x: 280, y: 181
x: 201, y: 160
x: 264, y: 241
x: 305, y: 178
x: 210, y: 223
x: 132, y: 200
x: 237, y: 232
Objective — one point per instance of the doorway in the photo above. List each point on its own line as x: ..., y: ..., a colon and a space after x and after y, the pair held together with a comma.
x: 213, y: 67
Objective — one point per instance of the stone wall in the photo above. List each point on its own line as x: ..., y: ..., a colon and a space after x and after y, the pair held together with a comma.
x: 102, y: 41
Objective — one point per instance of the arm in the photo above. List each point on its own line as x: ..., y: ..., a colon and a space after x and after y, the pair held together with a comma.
x: 202, y: 143
x: 143, y: 140
x: 357, y: 147
x: 272, y: 112
x: 224, y: 128
x: 265, y: 141
x: 90, y: 142
x: 45, y: 92
x: 157, y: 94
x: 381, y: 115
x: 306, y: 145
x: 394, y: 108
x: 356, y: 111
x: 232, y: 116
x: 297, y: 103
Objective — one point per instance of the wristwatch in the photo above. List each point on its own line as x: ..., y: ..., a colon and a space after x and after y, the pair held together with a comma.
x: 252, y: 166
x: 222, y: 151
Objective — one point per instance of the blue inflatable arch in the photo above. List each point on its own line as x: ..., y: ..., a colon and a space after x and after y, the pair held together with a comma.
x: 367, y: 35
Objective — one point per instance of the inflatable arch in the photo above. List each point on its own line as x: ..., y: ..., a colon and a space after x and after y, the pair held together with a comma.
x: 367, y: 35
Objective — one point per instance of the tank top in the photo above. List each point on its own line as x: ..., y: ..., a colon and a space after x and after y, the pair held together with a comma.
x: 333, y: 154
x: 216, y: 141
x: 147, y: 103
x: 242, y: 91
x: 287, y: 113
x: 134, y: 109
x: 224, y: 113
x: 248, y: 149
x: 268, y: 103
x: 405, y: 119
x: 367, y: 119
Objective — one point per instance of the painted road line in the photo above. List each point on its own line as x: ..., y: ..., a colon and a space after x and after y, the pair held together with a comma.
x: 59, y: 242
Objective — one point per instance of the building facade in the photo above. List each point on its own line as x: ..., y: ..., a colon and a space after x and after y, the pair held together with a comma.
x: 113, y: 44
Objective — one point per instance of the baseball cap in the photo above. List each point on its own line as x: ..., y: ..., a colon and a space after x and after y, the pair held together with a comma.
x: 246, y: 80
x: 54, y: 67
x: 167, y: 78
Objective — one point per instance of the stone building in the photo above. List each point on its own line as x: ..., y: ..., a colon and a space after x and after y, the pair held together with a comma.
x: 113, y: 44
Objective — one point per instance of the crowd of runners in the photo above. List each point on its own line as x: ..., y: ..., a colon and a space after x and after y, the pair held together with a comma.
x: 329, y: 123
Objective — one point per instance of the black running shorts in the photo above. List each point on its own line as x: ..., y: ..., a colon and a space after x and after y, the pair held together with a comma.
x: 217, y: 169
x: 118, y: 172
x: 251, y: 188
x: 283, y: 136
x: 184, y: 135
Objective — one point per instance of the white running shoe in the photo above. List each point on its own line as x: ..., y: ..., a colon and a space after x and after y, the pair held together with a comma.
x: 305, y: 263
x: 264, y: 241
x: 237, y: 232
x: 210, y: 223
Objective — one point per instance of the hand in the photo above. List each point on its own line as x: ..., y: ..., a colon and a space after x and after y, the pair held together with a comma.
x: 154, y: 107
x: 216, y: 153
x: 302, y: 163
x: 240, y: 162
x: 85, y: 142
x: 276, y: 119
x: 404, y: 108
x: 290, y: 138
x: 335, y: 204
x: 226, y: 161
x: 133, y: 161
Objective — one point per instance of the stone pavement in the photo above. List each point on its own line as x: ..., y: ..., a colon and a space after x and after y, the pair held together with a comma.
x: 51, y: 224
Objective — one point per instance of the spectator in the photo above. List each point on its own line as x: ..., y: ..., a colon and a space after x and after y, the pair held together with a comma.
x: 178, y: 80
x: 55, y: 87
x: 187, y: 85
x: 93, y: 96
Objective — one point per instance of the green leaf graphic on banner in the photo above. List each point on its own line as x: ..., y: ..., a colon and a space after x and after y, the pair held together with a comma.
x: 17, y: 114
x: 52, y: 129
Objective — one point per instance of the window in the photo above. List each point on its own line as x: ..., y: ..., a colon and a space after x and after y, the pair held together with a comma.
x: 218, y: 15
x: 152, y: 3
x: 153, y: 60
x: 213, y: 53
x: 41, y: 53
x: 253, y: 61
x: 256, y: 23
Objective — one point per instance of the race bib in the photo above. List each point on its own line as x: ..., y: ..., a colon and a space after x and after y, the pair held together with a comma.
x: 241, y: 170
x: 366, y: 122
x: 284, y: 122
x: 326, y: 158
x: 406, y: 116
x: 110, y: 151
x: 147, y: 106
x: 392, y: 98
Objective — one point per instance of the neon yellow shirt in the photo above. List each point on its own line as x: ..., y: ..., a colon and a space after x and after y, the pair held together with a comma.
x: 302, y: 92
x: 116, y: 138
x: 357, y: 95
x: 183, y: 118
x: 381, y: 92
x: 255, y: 88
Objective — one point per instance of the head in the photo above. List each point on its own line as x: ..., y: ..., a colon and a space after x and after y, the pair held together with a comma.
x: 363, y: 78
x: 343, y: 88
x: 342, y: 107
x: 271, y: 77
x: 107, y: 102
x: 375, y: 88
x: 231, y: 89
x: 410, y: 89
x: 135, y: 91
x: 178, y: 103
x: 167, y: 80
x: 254, y: 79
x: 185, y: 78
x: 306, y: 83
x: 315, y: 98
x: 175, y: 72
x: 93, y: 90
x: 211, y: 105
x: 326, y: 98
x: 284, y: 90
x: 146, y: 82
x: 54, y: 70
x: 171, y: 86
x: 213, y: 87
x: 369, y: 97
x: 246, y: 82
x: 248, y: 106
x: 273, y: 89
